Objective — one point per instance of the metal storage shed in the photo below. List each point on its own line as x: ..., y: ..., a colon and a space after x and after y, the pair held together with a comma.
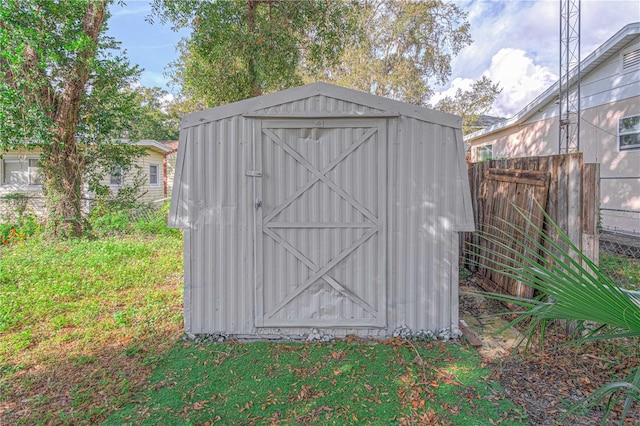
x: 320, y: 207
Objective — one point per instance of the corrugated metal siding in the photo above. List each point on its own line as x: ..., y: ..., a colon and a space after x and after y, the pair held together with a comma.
x: 218, y: 287
x: 214, y: 199
x: 318, y: 104
x: 426, y: 203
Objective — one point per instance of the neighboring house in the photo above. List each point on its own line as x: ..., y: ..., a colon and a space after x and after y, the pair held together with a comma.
x: 153, y: 168
x: 169, y: 166
x: 21, y: 180
x: 20, y: 183
x: 609, y: 127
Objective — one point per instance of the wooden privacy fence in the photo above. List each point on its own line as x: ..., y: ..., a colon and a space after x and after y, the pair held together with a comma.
x: 567, y: 188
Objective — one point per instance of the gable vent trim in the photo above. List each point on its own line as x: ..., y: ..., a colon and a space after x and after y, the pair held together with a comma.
x: 631, y: 59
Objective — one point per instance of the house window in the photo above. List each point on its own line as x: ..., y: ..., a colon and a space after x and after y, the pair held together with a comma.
x: 35, y: 174
x: 17, y: 171
x: 153, y: 174
x: 484, y: 153
x: 116, y: 177
x: 629, y: 133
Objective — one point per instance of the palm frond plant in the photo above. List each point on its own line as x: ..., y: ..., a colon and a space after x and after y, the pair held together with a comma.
x: 570, y: 287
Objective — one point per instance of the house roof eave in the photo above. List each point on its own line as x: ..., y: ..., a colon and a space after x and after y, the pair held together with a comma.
x: 623, y: 37
x: 150, y: 143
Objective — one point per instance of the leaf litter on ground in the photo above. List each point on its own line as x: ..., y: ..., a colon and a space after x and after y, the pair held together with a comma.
x: 343, y: 382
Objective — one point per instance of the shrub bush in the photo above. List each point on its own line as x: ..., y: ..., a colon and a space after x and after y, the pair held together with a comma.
x: 156, y: 223
x: 572, y: 288
x: 110, y: 223
x: 143, y: 219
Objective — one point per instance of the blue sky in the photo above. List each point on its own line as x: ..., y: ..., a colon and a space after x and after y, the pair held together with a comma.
x: 515, y: 43
x: 150, y: 46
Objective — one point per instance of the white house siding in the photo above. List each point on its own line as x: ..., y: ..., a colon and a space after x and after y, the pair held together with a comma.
x: 19, y: 183
x: 36, y: 204
x: 170, y: 164
x: 151, y: 193
x: 608, y: 93
x: 154, y: 192
x: 427, y: 204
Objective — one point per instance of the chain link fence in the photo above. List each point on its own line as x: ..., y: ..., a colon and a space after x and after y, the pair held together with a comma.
x: 620, y: 243
x: 620, y: 258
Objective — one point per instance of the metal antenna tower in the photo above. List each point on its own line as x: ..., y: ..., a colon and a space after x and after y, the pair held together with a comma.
x: 569, y: 91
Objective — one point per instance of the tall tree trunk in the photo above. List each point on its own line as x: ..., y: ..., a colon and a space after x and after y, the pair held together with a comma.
x: 63, y: 159
x: 251, y: 27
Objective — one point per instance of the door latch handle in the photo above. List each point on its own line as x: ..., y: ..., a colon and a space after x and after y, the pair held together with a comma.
x: 258, y: 203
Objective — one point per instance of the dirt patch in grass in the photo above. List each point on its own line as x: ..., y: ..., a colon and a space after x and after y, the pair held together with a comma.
x: 80, y: 388
x: 547, y: 381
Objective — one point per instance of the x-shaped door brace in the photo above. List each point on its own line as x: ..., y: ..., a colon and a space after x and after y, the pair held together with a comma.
x: 320, y: 175
x: 323, y: 272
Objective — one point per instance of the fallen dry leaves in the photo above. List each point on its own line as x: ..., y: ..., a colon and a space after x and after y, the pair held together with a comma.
x: 548, y: 379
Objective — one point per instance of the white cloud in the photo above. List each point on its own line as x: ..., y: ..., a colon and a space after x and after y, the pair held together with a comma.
x: 457, y: 83
x: 495, y: 25
x: 516, y: 44
x: 167, y: 99
x: 520, y: 78
x: 601, y: 19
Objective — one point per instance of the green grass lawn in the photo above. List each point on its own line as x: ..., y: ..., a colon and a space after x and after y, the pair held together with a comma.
x: 625, y: 271
x: 90, y: 333
x: 83, y: 322
x: 347, y: 382
x: 90, y: 330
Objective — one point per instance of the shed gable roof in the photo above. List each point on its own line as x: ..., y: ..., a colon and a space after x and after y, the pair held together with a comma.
x: 609, y: 48
x: 385, y: 106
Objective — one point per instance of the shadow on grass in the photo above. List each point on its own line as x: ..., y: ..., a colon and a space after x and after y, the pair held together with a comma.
x: 79, y: 388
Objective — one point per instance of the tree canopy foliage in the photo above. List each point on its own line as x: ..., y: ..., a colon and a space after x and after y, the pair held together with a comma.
x: 394, y: 48
x: 401, y: 48
x: 157, y: 118
x: 244, y: 48
x: 471, y: 103
x: 61, y: 89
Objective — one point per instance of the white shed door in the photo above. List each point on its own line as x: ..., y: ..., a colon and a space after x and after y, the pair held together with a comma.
x: 319, y: 204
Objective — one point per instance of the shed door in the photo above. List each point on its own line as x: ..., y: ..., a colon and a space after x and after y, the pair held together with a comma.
x: 320, y: 195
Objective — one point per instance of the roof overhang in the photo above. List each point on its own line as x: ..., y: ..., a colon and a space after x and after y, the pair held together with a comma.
x: 150, y: 143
